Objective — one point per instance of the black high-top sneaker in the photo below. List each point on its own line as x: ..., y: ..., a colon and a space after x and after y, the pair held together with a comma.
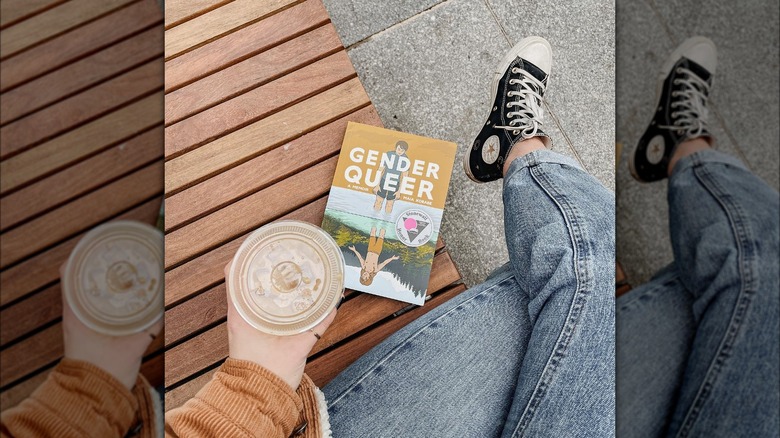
x: 516, y: 110
x: 681, y: 112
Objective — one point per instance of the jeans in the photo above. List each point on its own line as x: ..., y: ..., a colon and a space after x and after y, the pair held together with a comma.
x: 530, y: 352
x: 697, y: 346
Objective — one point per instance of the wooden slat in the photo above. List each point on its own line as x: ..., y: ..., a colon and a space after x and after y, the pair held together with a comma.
x: 251, y: 73
x: 53, y: 22
x: 258, y: 103
x: 81, y: 142
x: 211, y: 346
x: 43, y: 269
x: 259, y: 172
x: 324, y: 368
x: 179, y: 11
x: 208, y: 270
x: 81, y: 108
x: 13, y: 11
x: 80, y: 75
x: 244, y: 43
x: 248, y: 213
x: 80, y: 214
x: 15, y: 394
x: 81, y: 178
x: 79, y: 42
x: 41, y: 349
x: 329, y: 365
x: 218, y: 22
x: 26, y: 316
x: 246, y: 143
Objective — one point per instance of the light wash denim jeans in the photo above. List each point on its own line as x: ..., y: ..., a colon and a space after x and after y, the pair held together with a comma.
x: 530, y: 352
x: 697, y: 346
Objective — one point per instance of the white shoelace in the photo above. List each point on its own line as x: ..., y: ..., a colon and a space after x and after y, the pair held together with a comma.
x: 528, y: 116
x: 691, y: 117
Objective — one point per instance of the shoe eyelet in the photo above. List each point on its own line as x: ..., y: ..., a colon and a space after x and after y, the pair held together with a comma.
x: 678, y: 70
x: 495, y: 108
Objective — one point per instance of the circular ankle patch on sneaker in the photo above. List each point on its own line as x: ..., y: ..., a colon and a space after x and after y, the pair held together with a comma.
x: 491, y: 149
x: 655, y: 149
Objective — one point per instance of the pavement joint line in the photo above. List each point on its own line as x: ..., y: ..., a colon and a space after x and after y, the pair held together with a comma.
x: 498, y: 22
x: 565, y: 136
x: 366, y: 39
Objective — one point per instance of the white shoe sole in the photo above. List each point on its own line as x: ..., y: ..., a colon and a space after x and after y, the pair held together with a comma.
x: 659, y: 86
x: 497, y: 75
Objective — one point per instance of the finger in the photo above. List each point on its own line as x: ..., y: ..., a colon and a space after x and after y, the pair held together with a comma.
x: 325, y: 323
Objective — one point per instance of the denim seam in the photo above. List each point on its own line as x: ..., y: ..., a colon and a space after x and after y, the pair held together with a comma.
x: 582, y: 274
x: 742, y: 236
x: 401, y: 344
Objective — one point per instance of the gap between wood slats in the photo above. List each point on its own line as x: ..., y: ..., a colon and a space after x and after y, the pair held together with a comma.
x: 127, y: 212
x: 216, y: 157
x: 180, y: 11
x: 211, y: 26
x: 35, y: 278
x: 80, y: 144
x: 21, y: 10
x: 262, y: 171
x: 244, y: 44
x: 55, y: 22
x: 50, y: 116
x: 259, y: 103
x: 81, y: 179
x: 80, y: 43
x: 76, y: 77
x: 251, y: 74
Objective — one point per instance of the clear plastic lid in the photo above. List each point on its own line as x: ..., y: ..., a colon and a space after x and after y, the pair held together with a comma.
x: 286, y: 277
x: 113, y: 279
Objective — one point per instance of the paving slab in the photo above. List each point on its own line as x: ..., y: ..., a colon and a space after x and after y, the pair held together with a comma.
x: 357, y: 19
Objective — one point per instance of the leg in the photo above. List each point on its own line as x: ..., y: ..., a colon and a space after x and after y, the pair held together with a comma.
x: 378, y: 203
x: 724, y: 230
x: 453, y: 370
x: 560, y: 234
x: 389, y: 206
x: 654, y: 331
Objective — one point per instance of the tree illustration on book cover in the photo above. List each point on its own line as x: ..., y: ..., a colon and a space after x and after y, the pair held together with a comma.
x: 385, y: 209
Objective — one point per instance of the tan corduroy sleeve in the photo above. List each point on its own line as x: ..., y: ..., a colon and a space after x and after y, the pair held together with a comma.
x: 77, y: 399
x: 244, y: 399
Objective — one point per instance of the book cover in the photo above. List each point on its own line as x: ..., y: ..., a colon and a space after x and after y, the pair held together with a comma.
x: 385, y: 209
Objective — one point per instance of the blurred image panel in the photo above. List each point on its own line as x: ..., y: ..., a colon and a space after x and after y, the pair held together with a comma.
x: 698, y: 348
x: 81, y: 182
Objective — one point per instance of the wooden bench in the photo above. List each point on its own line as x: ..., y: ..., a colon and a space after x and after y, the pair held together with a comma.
x: 258, y: 95
x: 82, y: 143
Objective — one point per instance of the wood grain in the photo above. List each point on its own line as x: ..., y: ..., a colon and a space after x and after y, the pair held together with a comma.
x: 12, y: 11
x: 81, y: 178
x: 81, y: 108
x: 255, y: 104
x: 324, y: 368
x: 218, y: 22
x: 248, y: 142
x: 53, y: 22
x: 179, y: 11
x: 259, y: 172
x: 246, y: 42
x: 80, y: 75
x: 26, y: 316
x: 14, y: 395
x: 84, y: 212
x: 39, y: 271
x: 79, y: 42
x: 250, y: 73
x: 80, y: 143
x: 247, y: 214
x: 185, y: 281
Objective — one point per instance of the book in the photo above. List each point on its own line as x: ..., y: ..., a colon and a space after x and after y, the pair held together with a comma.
x: 385, y: 209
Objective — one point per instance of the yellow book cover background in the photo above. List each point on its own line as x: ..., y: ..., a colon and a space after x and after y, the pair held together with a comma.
x: 385, y: 208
